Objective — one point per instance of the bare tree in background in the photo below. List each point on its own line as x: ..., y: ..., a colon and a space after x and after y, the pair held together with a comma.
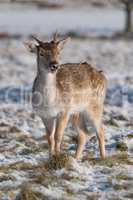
x: 128, y: 20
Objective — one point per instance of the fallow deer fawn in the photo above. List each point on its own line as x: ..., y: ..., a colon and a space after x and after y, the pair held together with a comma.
x: 60, y: 91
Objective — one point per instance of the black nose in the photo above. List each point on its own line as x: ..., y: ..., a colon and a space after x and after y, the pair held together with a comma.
x: 54, y: 67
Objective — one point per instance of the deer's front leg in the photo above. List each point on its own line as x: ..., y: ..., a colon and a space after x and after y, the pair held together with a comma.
x: 50, y: 131
x: 59, y: 132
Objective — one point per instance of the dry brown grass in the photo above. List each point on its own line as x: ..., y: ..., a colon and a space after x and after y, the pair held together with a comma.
x: 27, y: 193
x: 130, y: 136
x: 121, y: 146
x: 57, y: 162
x: 120, y: 158
x: 18, y: 166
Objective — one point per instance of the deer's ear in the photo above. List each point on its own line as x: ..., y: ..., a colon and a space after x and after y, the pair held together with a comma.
x: 61, y: 43
x: 31, y: 47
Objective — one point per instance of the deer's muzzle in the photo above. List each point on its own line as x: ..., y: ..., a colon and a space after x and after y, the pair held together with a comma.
x: 54, y: 67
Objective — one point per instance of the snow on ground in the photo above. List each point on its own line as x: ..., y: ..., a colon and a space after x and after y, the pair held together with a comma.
x: 25, y: 172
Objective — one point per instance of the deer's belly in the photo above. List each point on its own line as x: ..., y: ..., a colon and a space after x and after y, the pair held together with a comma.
x: 46, y: 112
x: 48, y: 105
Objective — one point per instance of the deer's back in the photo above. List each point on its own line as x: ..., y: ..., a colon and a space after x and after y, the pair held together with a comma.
x: 75, y: 77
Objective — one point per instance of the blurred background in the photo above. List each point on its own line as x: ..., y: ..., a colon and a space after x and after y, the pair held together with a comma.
x: 102, y: 34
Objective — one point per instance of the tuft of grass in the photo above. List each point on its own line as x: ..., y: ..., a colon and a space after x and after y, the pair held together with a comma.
x: 120, y: 187
x: 46, y: 180
x: 29, y: 143
x: 57, y: 162
x: 24, y: 166
x: 130, y: 136
x: 121, y: 158
x: 40, y: 179
x: 113, y: 122
x: 93, y: 196
x: 3, y: 124
x: 27, y: 193
x: 69, y: 177
x: 18, y: 166
x: 7, y: 178
x: 14, y: 129
x: 27, y: 151
x: 121, y: 146
x: 122, y: 177
x: 21, y: 139
x: 69, y: 192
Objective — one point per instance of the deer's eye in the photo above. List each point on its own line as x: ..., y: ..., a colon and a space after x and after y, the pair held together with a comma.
x: 41, y: 53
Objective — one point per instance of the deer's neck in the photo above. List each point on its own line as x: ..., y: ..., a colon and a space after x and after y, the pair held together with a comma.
x: 50, y: 80
x: 47, y: 87
x: 46, y: 77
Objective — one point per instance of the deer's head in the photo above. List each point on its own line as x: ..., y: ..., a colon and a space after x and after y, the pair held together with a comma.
x: 47, y: 52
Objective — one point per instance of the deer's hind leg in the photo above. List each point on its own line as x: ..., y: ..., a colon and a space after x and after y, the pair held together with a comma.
x: 96, y: 116
x: 81, y: 129
x: 81, y: 144
x: 100, y: 136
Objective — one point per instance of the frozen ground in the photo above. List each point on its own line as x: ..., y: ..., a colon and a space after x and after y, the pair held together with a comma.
x: 24, y: 170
